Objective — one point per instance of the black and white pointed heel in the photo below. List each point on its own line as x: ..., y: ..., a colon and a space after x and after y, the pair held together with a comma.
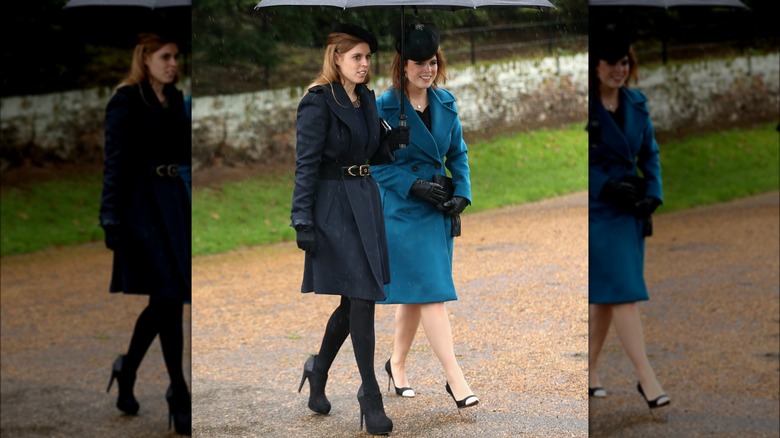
x: 661, y: 401
x: 470, y: 400
x: 403, y: 392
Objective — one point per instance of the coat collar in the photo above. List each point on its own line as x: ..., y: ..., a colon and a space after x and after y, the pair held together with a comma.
x: 443, y: 115
x: 341, y: 106
x: 623, y: 142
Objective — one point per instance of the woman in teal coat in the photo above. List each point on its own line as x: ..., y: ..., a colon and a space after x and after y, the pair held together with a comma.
x: 622, y: 145
x: 421, y: 216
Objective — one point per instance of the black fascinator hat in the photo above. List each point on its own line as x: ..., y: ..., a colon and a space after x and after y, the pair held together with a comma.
x: 358, y: 32
x: 610, y: 42
x: 420, y: 40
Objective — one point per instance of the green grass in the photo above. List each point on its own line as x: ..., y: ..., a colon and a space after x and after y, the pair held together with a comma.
x: 50, y: 213
x: 720, y: 166
x: 505, y: 171
x: 243, y: 213
x: 528, y: 166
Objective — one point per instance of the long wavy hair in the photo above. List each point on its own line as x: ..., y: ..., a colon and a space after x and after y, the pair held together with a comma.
x: 441, y: 74
x: 148, y: 43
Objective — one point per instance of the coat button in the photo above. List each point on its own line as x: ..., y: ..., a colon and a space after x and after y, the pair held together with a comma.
x: 437, y: 166
x: 414, y: 169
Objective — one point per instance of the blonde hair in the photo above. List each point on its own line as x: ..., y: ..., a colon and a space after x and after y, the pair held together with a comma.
x: 337, y: 43
x: 148, y: 43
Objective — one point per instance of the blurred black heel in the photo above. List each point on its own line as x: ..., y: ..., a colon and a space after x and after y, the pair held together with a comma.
x: 467, y: 402
x: 126, y: 401
x: 371, y: 407
x: 403, y: 392
x: 179, y: 411
x: 661, y: 401
x: 318, y: 402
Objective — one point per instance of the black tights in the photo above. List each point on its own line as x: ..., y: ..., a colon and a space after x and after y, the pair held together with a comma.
x: 163, y: 317
x: 353, y: 317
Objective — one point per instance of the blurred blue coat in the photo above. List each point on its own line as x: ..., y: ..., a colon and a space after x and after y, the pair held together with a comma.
x: 616, y: 242
x: 419, y: 236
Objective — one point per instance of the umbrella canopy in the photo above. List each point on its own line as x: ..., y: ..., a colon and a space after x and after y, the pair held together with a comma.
x: 437, y: 4
x: 118, y: 22
x: 668, y: 3
x: 151, y: 4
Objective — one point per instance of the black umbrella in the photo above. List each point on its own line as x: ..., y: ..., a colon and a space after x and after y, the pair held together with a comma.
x: 118, y: 22
x: 451, y: 5
x: 605, y: 5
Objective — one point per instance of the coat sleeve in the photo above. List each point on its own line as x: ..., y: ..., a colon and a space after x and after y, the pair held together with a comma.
x: 312, y: 125
x: 458, y: 161
x: 117, y: 126
x: 648, y: 161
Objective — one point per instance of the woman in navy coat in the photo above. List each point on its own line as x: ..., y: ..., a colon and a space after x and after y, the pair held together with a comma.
x: 621, y: 201
x: 337, y: 214
x: 146, y: 215
x: 421, y: 217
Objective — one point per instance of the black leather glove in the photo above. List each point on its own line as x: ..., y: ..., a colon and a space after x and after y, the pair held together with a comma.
x: 304, y: 237
x: 428, y: 191
x: 454, y: 206
x: 645, y: 207
x: 113, y: 236
x: 398, y: 136
x: 622, y: 193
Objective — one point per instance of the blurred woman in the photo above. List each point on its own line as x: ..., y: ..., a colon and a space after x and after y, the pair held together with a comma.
x: 622, y: 145
x: 145, y: 213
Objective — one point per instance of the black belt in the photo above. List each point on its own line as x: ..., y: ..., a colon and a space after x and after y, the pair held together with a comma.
x: 334, y: 171
x: 164, y: 170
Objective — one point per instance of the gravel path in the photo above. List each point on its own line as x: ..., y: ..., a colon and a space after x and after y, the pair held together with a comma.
x: 520, y: 331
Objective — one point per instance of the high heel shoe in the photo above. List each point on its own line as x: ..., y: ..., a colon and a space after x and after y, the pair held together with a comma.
x: 597, y: 391
x: 469, y: 401
x: 403, y: 392
x: 661, y: 401
x: 371, y: 407
x: 179, y: 411
x: 317, y: 400
x: 126, y: 401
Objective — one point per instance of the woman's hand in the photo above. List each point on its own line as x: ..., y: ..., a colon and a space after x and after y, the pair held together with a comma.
x: 305, y: 238
x: 454, y: 206
x: 428, y: 191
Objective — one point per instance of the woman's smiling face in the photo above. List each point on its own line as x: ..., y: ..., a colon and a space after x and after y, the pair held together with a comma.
x: 421, y: 74
x: 613, y: 74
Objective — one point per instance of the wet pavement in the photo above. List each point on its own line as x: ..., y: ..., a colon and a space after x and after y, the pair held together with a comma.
x: 520, y: 332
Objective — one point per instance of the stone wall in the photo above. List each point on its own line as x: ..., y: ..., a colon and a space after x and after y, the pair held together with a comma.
x: 260, y: 127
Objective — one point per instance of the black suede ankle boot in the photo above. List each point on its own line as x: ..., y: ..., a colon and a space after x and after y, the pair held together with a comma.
x: 126, y: 401
x: 179, y: 411
x: 318, y: 402
x: 371, y: 407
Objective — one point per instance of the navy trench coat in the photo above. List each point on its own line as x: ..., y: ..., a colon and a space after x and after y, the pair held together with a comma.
x: 419, y: 235
x: 152, y: 211
x: 346, y: 213
x: 616, y: 241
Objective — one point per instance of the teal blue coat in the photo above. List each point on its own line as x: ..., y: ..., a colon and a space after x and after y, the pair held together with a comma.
x: 419, y: 236
x: 616, y: 242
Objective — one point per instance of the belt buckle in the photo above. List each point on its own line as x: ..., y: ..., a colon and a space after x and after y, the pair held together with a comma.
x: 167, y: 170
x: 365, y: 170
